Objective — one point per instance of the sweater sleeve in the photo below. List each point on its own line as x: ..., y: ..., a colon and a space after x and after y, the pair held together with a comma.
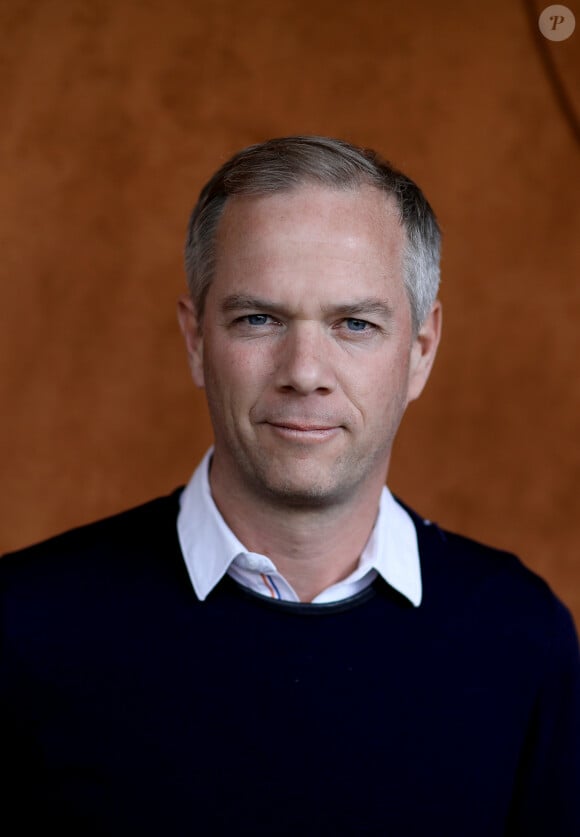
x: 547, y: 797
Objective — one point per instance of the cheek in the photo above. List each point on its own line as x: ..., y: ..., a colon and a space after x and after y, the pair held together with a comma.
x: 235, y: 374
x: 379, y: 391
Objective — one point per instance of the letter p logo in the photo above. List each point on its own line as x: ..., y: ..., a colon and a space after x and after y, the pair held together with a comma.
x: 556, y: 23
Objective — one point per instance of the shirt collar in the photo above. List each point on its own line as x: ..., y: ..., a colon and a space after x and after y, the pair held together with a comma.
x: 210, y: 547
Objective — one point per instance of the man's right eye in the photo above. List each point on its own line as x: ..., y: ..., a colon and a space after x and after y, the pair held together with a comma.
x: 256, y: 319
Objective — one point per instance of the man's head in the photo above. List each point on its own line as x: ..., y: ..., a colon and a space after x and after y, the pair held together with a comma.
x: 312, y: 344
x: 280, y: 165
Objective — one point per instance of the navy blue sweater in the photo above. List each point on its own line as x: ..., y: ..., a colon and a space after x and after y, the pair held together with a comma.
x: 131, y: 708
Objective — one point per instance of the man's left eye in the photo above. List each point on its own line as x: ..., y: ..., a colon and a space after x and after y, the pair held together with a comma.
x: 356, y: 325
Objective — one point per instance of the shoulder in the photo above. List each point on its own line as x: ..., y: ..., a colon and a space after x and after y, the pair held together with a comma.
x: 91, y: 580
x: 127, y: 533
x: 489, y: 589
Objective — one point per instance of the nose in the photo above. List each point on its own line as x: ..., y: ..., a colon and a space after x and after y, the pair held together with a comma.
x: 304, y: 363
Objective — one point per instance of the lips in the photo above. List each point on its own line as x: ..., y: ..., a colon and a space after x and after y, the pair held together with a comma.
x: 306, y: 428
x: 300, y: 432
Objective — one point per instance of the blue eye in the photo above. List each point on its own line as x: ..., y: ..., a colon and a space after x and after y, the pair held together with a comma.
x: 356, y: 325
x: 257, y: 319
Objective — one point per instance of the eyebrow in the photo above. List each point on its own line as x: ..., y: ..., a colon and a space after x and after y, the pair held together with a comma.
x: 366, y: 306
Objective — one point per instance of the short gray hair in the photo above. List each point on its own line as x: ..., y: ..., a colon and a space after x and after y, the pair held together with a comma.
x: 285, y: 163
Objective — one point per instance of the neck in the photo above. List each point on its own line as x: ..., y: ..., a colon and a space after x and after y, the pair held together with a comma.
x: 312, y: 548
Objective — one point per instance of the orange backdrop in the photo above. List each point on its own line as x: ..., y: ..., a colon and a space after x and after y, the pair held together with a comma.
x: 114, y: 112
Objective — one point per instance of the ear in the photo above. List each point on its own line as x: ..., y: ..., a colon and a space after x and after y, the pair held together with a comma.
x: 423, y: 352
x: 191, y: 330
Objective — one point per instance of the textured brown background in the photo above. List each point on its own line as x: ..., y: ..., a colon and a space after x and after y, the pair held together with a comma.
x: 114, y: 113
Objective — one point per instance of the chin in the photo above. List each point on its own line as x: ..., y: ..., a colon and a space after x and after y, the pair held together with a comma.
x: 298, y: 497
x: 302, y: 490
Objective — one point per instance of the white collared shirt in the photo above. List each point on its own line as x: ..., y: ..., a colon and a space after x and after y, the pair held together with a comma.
x: 211, y: 550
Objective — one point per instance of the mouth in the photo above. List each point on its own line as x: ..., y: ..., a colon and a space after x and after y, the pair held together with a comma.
x: 303, y: 432
x: 291, y: 425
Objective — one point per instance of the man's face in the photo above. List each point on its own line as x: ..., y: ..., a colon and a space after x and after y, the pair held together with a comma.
x: 307, y: 353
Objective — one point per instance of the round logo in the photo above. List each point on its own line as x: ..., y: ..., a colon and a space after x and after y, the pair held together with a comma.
x: 557, y: 23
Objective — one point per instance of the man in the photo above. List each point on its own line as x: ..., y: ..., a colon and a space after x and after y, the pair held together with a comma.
x: 282, y: 647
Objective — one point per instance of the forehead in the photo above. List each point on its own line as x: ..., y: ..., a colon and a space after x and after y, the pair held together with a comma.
x: 357, y: 223
x: 370, y: 205
x: 311, y: 249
